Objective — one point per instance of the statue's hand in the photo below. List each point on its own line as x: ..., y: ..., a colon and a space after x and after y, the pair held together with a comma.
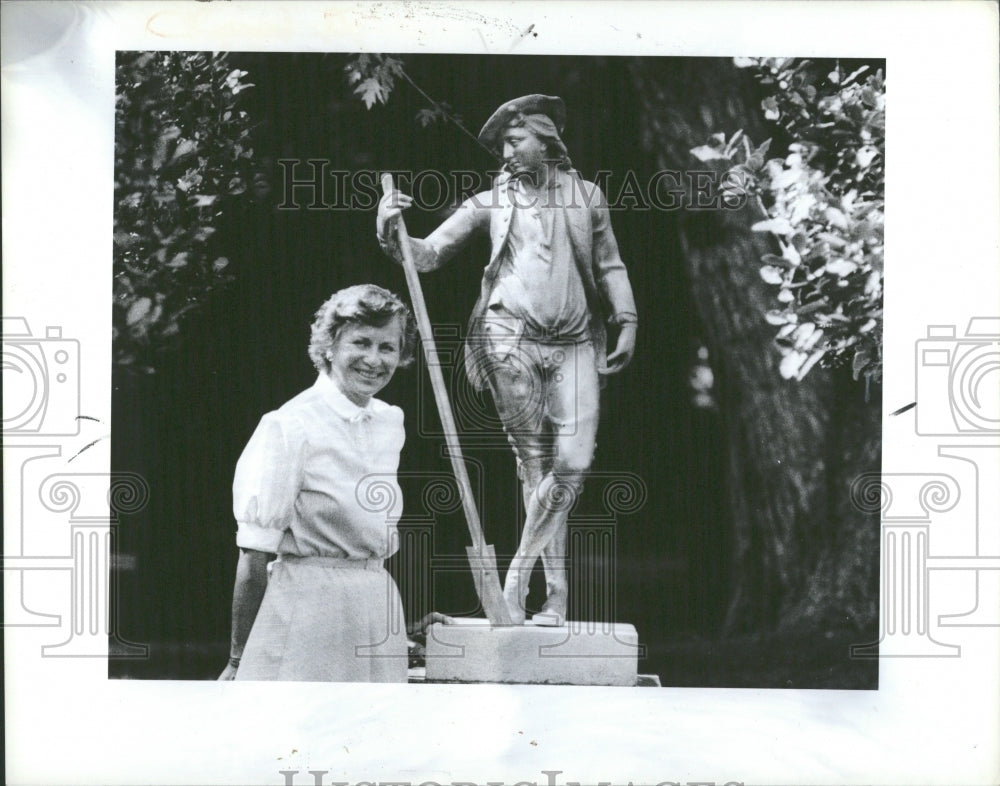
x: 624, y: 349
x: 390, y: 207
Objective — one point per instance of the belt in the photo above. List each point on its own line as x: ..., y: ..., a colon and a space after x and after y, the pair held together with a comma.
x: 342, y: 563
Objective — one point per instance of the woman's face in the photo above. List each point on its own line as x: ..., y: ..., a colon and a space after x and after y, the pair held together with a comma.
x: 364, y: 358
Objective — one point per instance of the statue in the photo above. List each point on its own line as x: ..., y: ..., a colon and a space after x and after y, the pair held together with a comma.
x: 538, y: 334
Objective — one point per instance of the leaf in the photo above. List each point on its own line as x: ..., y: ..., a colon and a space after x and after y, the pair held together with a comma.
x: 813, y: 340
x: 855, y: 74
x: 770, y: 107
x: 790, y: 364
x: 777, y: 318
x: 138, y: 310
x: 815, y: 305
x: 840, y: 267
x: 184, y: 149
x: 220, y: 264
x: 865, y: 156
x: 371, y: 91
x: 802, y: 333
x: 179, y: 261
x: 755, y: 161
x: 204, y: 200
x: 835, y: 218
x: 791, y: 255
x: 771, y: 274
x: 160, y: 149
x: 810, y: 362
x: 708, y: 153
x: 835, y: 241
x: 393, y: 65
x: 779, y: 226
x: 425, y: 117
x: 203, y: 233
x: 733, y: 141
x: 861, y: 359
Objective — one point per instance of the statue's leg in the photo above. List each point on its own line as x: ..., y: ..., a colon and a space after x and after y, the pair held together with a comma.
x: 570, y: 421
x: 516, y: 383
x: 555, y: 560
x: 573, y: 408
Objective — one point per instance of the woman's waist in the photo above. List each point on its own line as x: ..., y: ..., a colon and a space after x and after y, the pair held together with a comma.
x: 338, y: 563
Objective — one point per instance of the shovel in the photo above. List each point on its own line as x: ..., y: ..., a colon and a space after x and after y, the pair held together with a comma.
x: 482, y: 557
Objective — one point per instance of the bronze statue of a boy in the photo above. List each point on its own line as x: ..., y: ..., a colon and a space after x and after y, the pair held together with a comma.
x: 537, y: 336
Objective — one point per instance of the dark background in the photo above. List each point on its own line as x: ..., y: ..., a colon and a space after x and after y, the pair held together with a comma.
x: 244, y: 354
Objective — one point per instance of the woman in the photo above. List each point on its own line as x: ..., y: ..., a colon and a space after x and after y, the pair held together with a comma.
x: 316, y: 486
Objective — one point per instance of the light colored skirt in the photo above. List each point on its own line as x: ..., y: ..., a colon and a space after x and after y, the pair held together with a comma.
x: 324, y: 619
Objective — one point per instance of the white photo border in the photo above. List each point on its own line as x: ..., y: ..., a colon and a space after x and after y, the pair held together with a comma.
x: 933, y: 720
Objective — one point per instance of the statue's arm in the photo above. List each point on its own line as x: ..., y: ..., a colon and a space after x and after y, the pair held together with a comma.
x: 609, y: 270
x: 433, y: 251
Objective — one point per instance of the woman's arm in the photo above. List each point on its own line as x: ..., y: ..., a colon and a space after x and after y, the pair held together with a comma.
x: 248, y: 592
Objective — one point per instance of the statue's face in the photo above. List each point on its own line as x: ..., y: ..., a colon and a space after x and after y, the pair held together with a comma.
x: 523, y: 151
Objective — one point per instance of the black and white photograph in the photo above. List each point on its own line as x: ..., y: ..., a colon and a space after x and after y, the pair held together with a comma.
x: 501, y: 393
x: 670, y: 410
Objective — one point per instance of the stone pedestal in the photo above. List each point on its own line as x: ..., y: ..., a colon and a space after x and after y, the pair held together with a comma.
x: 577, y: 653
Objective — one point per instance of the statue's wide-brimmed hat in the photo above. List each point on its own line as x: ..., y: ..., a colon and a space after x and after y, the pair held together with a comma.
x: 534, y: 104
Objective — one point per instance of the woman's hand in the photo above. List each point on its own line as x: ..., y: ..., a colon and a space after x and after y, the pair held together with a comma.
x: 418, y: 628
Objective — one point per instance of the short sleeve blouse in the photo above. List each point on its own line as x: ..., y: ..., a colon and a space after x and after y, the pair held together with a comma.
x: 318, y: 478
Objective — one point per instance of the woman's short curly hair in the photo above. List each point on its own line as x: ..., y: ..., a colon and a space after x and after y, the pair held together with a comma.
x: 363, y: 304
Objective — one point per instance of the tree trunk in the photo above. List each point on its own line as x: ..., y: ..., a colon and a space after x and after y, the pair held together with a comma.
x: 793, y: 446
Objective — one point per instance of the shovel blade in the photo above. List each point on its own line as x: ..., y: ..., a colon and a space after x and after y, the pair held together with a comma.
x: 483, y: 562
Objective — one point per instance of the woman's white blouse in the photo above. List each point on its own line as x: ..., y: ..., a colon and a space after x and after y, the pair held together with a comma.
x: 318, y: 478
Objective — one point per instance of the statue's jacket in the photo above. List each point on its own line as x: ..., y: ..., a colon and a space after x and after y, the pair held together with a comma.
x: 595, y: 252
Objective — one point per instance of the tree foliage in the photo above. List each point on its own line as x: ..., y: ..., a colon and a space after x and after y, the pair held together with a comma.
x: 183, y: 156
x: 823, y: 201
x: 373, y: 76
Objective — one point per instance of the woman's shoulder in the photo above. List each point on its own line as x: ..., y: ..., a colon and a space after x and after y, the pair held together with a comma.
x: 293, y: 414
x: 388, y: 412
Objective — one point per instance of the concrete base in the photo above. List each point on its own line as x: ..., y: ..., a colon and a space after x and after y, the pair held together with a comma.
x: 577, y: 653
